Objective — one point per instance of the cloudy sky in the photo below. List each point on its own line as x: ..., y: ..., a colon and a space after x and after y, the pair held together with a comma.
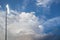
x: 33, y: 19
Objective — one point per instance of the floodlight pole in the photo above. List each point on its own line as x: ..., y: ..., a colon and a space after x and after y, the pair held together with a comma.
x: 6, y: 24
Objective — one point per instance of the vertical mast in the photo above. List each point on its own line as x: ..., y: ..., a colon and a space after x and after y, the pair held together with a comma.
x: 7, y: 12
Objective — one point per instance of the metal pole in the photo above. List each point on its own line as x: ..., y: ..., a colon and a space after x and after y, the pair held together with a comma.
x: 6, y: 22
x: 6, y: 26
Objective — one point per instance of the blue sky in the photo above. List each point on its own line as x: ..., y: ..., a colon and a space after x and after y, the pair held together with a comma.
x: 46, y: 12
x: 30, y: 5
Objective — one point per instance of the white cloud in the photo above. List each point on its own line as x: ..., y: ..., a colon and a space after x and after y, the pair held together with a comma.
x: 28, y: 23
x: 22, y: 26
x: 43, y: 3
x: 52, y: 22
x: 23, y: 23
x: 46, y: 3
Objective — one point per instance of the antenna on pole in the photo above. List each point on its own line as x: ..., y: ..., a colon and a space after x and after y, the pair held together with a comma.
x: 7, y: 12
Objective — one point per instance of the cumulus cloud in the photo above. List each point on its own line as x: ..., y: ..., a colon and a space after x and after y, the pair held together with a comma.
x: 28, y: 27
x: 2, y: 25
x: 23, y: 26
x: 27, y: 23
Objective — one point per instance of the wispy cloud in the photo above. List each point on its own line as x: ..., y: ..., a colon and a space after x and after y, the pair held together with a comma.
x: 46, y: 3
x: 52, y: 26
